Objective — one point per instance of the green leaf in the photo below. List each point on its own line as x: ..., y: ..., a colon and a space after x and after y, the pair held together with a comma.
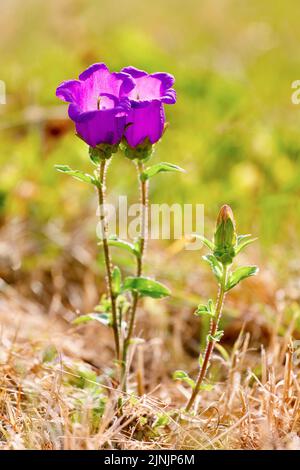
x: 113, y: 240
x: 223, y: 352
x: 161, y: 420
x: 201, y: 360
x: 215, y: 265
x: 158, y: 168
x: 242, y: 243
x: 209, y: 244
x: 184, y: 377
x: 206, y: 387
x: 50, y: 353
x: 79, y: 175
x: 239, y: 274
x: 137, y: 341
x: 146, y: 287
x: 116, y: 280
x: 103, y: 318
x: 206, y: 309
x: 216, y: 337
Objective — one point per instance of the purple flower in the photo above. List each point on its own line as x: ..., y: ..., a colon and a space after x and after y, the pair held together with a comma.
x: 147, y: 116
x: 98, y: 104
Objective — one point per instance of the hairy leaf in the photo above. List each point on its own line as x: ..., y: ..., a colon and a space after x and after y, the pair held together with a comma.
x: 116, y: 280
x: 113, y: 240
x: 215, y: 265
x: 103, y: 318
x: 243, y: 241
x: 158, y: 168
x: 239, y: 274
x: 79, y: 175
x: 184, y: 377
x: 209, y: 244
x: 146, y: 287
x: 216, y: 337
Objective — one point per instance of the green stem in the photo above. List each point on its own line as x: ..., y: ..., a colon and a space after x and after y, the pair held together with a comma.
x: 210, y: 344
x: 104, y: 233
x: 139, y: 268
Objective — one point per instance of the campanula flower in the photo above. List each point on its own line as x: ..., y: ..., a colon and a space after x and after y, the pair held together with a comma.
x: 146, y: 119
x: 99, y: 103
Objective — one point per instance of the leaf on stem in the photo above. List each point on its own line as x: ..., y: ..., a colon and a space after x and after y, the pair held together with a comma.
x: 243, y: 241
x: 158, y: 168
x: 113, y: 240
x: 103, y: 318
x: 184, y: 377
x: 216, y: 337
x: 79, y: 175
x: 206, y: 387
x: 216, y: 266
x: 209, y: 244
x: 208, y: 309
x: 239, y: 274
x: 116, y: 281
x: 146, y: 287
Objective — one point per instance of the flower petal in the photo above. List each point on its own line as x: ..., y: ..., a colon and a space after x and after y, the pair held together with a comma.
x: 154, y: 86
x: 96, y: 127
x: 146, y: 122
x: 92, y: 69
x: 134, y: 72
x: 69, y: 91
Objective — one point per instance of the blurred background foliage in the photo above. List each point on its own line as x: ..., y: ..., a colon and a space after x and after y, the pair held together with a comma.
x: 234, y: 128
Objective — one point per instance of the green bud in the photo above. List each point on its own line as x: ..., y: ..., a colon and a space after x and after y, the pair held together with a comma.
x: 225, y: 236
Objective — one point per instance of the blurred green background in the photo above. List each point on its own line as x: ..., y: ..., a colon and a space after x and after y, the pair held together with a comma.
x: 234, y: 127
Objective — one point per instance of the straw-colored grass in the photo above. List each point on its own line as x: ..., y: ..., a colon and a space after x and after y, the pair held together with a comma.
x: 57, y: 389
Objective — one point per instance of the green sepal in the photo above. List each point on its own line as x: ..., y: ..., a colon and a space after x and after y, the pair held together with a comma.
x: 142, y: 152
x: 102, y: 152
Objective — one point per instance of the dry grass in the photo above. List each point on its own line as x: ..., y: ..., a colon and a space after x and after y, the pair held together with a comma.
x: 57, y: 389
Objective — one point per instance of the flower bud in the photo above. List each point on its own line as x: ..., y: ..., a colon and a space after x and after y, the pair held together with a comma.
x: 225, y: 236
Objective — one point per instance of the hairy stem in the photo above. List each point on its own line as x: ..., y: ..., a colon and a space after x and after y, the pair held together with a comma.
x: 139, y: 269
x: 210, y: 344
x: 104, y: 233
